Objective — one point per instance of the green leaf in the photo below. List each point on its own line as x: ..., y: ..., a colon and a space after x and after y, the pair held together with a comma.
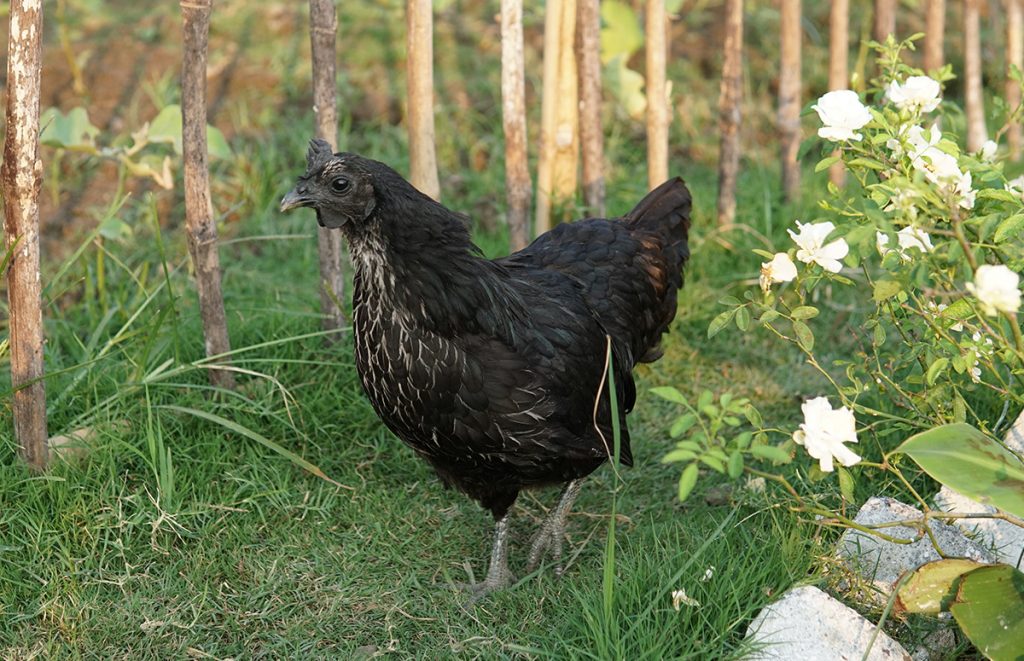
x: 845, y: 483
x: 971, y: 463
x: 166, y: 128
x: 626, y: 85
x: 989, y: 607
x: 742, y: 318
x: 713, y: 462
x: 804, y: 336
x: 868, y: 163
x: 1009, y: 228
x: 885, y: 289
x: 687, y: 481
x: 621, y: 34
x: 720, y: 322
x: 931, y: 587
x: 233, y: 426
x: 769, y: 316
x: 72, y: 131
x: 753, y: 415
x: 878, y: 335
x: 682, y: 424
x: 771, y: 453
x: 670, y: 393
x: 937, y: 367
x: 678, y: 455
x: 735, y: 464
x: 217, y: 145
x: 826, y: 163
x: 705, y: 398
x: 804, y: 312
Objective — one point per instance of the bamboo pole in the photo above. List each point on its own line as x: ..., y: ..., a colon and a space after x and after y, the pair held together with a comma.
x: 974, y: 107
x: 513, y: 115
x: 838, y: 66
x: 591, y: 132
x: 202, y: 230
x: 730, y: 98
x: 657, y: 101
x: 323, y: 31
x: 22, y: 175
x: 1014, y: 58
x: 934, y: 35
x: 420, y: 82
x: 884, y: 20
x: 565, y: 166
x: 789, y: 98
x: 548, y: 116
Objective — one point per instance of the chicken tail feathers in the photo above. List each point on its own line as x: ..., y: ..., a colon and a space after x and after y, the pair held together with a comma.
x: 665, y: 210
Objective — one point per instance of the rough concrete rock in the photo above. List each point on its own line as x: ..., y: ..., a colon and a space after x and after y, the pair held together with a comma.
x: 883, y: 562
x: 1006, y: 538
x: 809, y: 625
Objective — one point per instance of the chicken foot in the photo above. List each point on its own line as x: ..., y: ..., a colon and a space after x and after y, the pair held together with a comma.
x: 552, y: 531
x: 498, y: 575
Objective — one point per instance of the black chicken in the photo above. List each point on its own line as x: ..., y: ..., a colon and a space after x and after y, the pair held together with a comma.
x: 493, y: 370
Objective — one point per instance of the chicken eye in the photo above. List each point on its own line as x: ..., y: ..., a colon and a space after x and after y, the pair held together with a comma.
x: 340, y: 184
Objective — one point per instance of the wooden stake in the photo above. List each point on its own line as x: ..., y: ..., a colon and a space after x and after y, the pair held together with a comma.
x: 518, y: 188
x: 419, y: 78
x: 974, y: 105
x: 323, y: 30
x: 838, y: 66
x: 546, y: 155
x: 885, y: 20
x: 202, y: 230
x: 588, y: 31
x: 730, y: 97
x: 1014, y: 57
x: 934, y: 35
x: 22, y: 175
x: 565, y: 167
x: 789, y: 98
x: 657, y: 101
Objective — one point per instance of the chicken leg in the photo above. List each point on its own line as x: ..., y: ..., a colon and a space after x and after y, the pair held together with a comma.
x: 498, y: 575
x: 552, y: 531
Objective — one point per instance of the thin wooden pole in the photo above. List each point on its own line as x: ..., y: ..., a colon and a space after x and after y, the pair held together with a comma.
x: 1014, y: 58
x: 974, y: 104
x: 420, y: 83
x: 884, y: 20
x: 789, y: 98
x: 22, y: 174
x: 201, y: 228
x: 729, y: 112
x: 323, y: 31
x: 838, y: 66
x: 548, y: 114
x: 934, y: 35
x: 565, y: 167
x: 588, y: 30
x: 657, y: 103
x: 513, y: 97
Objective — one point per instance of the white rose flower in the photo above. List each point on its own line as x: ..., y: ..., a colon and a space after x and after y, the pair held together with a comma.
x: 917, y: 93
x: 780, y: 269
x: 908, y: 237
x: 996, y: 288
x: 811, y: 240
x: 936, y: 311
x: 842, y: 114
x: 988, y: 151
x: 903, y: 202
x: 1016, y: 186
x: 825, y: 430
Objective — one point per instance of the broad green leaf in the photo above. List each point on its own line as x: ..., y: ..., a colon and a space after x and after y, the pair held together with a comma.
x: 1009, y: 228
x: 72, y: 131
x: 969, y: 462
x: 804, y: 336
x: 626, y: 85
x: 621, y: 34
x: 743, y: 318
x: 885, y: 289
x: 771, y: 453
x: 846, y: 483
x: 931, y: 587
x: 682, y: 424
x: 753, y: 415
x: 735, y: 464
x: 998, y: 194
x: 937, y: 367
x: 804, y: 312
x: 670, y: 393
x: 687, y: 481
x: 868, y: 163
x: 826, y: 163
x: 713, y: 462
x: 678, y: 455
x: 705, y: 398
x: 217, y: 145
x: 166, y: 128
x: 989, y: 607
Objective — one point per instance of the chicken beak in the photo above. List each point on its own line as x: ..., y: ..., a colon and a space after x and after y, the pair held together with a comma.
x: 294, y: 199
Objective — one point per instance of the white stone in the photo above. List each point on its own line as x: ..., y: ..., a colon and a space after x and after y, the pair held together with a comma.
x: 1006, y: 538
x: 883, y: 562
x: 809, y: 625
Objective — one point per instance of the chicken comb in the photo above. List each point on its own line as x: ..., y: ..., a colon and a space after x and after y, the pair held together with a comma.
x: 318, y: 154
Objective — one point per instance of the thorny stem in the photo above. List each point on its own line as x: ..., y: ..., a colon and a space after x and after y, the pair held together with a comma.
x: 958, y: 231
x: 776, y: 478
x: 1017, y: 338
